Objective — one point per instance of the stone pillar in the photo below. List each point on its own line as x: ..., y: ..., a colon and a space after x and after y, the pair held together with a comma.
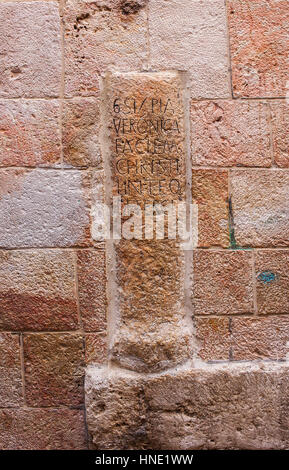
x: 152, y: 393
x: 145, y: 150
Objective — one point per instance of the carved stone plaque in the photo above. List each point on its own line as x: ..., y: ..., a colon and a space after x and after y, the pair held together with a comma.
x: 145, y: 157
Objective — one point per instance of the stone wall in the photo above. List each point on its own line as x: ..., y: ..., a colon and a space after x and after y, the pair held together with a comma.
x: 53, y: 300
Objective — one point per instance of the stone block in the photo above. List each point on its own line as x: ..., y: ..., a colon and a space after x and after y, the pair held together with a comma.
x: 191, y: 38
x: 30, y: 50
x: 11, y: 394
x: 42, y: 429
x: 230, y: 133
x: 259, y: 47
x: 99, y: 36
x: 54, y: 369
x: 220, y: 407
x: 30, y: 134
x: 210, y: 193
x: 92, y: 289
x: 44, y: 208
x: 222, y: 282
x: 260, y: 207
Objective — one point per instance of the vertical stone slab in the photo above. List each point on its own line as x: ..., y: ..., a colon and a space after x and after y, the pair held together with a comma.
x: 145, y: 148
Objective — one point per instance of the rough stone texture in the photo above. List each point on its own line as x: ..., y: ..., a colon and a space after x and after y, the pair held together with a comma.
x: 260, y: 207
x: 280, y: 124
x: 272, y: 279
x: 30, y: 50
x: 260, y: 338
x: 230, y: 133
x: 95, y: 348
x: 149, y: 324
x: 222, y: 282
x: 37, y: 290
x: 259, y: 47
x: 210, y: 192
x: 213, y: 337
x: 192, y: 38
x: 92, y: 289
x: 54, y: 369
x: 10, y: 371
x: 97, y: 213
x: 43, y: 429
x: 100, y: 35
x: 29, y: 133
x: 213, y: 407
x: 81, y: 122
x: 43, y: 208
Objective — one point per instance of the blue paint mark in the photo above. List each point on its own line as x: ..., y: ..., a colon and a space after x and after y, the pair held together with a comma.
x: 267, y: 276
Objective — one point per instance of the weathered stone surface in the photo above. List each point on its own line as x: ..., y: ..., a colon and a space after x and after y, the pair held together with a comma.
x: 213, y: 338
x: 210, y: 407
x: 260, y: 207
x: 222, y: 282
x: 260, y: 338
x: 30, y: 50
x: 210, y: 193
x: 30, y: 134
x: 81, y: 122
x: 10, y: 371
x: 42, y: 429
x: 97, y: 212
x: 230, y: 133
x: 43, y: 208
x: 259, y: 47
x: 92, y: 289
x: 146, y: 151
x: 272, y: 281
x: 115, y: 410
x: 280, y: 124
x: 95, y: 348
x: 54, y: 369
x: 101, y: 35
x: 192, y: 38
x: 37, y: 290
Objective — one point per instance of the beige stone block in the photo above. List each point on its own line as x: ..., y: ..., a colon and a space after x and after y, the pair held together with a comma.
x: 207, y: 407
x: 44, y: 208
x: 260, y: 207
x: 191, y: 36
x: 81, y: 123
x: 99, y: 36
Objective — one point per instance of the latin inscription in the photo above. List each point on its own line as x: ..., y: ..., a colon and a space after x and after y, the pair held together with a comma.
x: 147, y: 149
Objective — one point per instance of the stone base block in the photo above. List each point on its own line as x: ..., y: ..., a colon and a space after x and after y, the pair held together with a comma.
x: 220, y: 406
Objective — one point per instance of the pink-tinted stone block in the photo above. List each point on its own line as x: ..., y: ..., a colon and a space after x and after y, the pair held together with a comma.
x: 259, y: 47
x: 37, y: 290
x: 10, y: 371
x: 30, y: 49
x: 230, y: 133
x: 29, y: 133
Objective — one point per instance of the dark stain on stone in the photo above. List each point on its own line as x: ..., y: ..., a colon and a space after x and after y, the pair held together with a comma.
x: 129, y: 7
x: 233, y: 243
